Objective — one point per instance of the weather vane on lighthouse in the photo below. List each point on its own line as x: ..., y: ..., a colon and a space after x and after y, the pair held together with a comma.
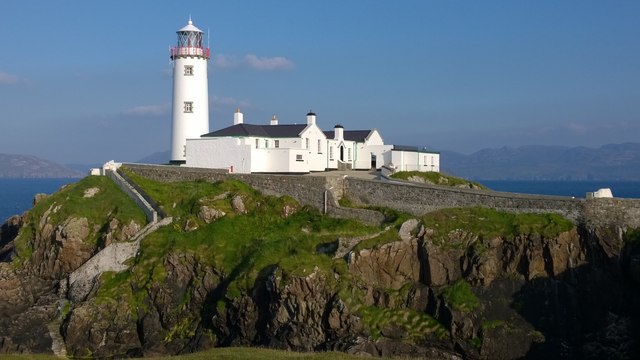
x: 190, y: 115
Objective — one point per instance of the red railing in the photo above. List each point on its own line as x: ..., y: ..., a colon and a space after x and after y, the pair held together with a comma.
x: 190, y: 51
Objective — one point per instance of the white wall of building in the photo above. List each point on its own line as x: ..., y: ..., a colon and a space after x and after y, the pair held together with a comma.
x: 194, y: 89
x: 219, y: 153
x: 404, y: 160
x: 333, y: 153
x: 279, y: 160
x: 316, y: 156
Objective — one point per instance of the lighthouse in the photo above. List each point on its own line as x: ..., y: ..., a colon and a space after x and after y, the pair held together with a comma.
x: 190, y: 115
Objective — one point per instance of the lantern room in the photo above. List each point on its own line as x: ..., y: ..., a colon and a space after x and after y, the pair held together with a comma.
x: 190, y: 42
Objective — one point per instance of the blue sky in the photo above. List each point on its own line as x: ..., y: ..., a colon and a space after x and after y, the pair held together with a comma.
x: 90, y: 81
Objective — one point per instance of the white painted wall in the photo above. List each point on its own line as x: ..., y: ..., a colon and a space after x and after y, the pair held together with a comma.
x: 415, y: 161
x: 219, y: 153
x: 193, y: 88
x: 317, y: 160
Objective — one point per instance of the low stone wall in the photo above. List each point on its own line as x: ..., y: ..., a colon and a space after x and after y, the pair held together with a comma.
x: 418, y: 199
x: 308, y: 190
x: 603, y: 211
x: 124, y: 185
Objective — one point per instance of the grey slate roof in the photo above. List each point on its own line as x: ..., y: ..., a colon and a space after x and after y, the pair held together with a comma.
x: 268, y: 131
x: 351, y: 135
x: 413, y: 149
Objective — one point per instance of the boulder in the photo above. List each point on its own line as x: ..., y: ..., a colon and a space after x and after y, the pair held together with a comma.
x: 210, y: 214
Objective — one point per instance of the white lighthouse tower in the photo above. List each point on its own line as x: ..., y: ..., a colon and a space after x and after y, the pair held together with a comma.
x: 190, y: 117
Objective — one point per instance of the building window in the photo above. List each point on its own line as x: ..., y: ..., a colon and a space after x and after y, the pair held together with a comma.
x: 188, y: 70
x: 307, y: 143
x: 299, y: 157
x: 330, y: 152
x: 188, y: 106
x: 349, y: 154
x: 257, y: 143
x: 276, y: 143
x: 266, y: 143
x: 319, y: 146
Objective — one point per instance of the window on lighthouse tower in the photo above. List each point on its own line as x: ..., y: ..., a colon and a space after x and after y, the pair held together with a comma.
x: 188, y: 106
x: 188, y: 70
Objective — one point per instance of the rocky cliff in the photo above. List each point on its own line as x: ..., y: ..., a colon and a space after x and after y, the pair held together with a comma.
x: 237, y: 268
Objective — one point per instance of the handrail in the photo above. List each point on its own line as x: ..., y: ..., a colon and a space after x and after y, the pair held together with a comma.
x: 190, y: 51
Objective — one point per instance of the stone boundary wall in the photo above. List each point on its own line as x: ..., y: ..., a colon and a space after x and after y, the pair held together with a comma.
x: 417, y: 199
x: 143, y: 194
x: 607, y: 211
x: 124, y: 185
x: 308, y: 190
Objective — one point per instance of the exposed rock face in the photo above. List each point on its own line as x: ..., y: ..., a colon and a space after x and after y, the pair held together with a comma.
x: 389, y: 267
x: 570, y: 296
x: 33, y: 287
x: 8, y: 232
x: 210, y: 214
x: 238, y: 204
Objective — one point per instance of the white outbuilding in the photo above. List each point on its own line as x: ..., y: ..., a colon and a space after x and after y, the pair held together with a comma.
x: 300, y: 148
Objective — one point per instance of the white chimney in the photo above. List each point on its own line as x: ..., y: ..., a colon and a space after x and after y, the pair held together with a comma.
x: 338, y: 132
x: 238, y: 118
x: 274, y: 120
x: 311, y: 118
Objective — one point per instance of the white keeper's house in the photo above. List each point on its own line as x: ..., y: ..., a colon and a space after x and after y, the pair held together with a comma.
x: 301, y: 148
x: 273, y: 147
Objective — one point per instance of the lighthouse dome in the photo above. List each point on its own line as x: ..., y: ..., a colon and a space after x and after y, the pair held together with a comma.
x: 190, y: 27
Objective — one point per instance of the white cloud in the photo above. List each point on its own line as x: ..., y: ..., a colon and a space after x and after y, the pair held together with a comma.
x: 252, y: 61
x: 226, y: 61
x: 215, y: 100
x: 8, y: 79
x: 148, y: 110
x: 268, y: 63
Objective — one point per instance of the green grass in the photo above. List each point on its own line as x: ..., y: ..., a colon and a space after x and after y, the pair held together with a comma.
x: 418, y: 325
x: 437, y: 178
x: 460, y: 296
x: 107, y: 204
x: 240, y: 246
x: 488, y: 223
x: 492, y: 324
x: 632, y: 236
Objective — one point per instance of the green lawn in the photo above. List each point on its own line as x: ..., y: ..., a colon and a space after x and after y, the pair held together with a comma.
x: 437, y: 178
x: 489, y: 223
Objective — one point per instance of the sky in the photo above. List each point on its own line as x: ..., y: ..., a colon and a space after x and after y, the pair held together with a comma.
x: 90, y: 81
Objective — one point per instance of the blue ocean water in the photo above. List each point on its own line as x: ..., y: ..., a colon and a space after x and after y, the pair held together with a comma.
x: 16, y: 195
x: 578, y: 189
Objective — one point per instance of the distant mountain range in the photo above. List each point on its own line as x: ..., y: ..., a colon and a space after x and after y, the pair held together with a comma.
x: 608, y: 162
x: 27, y: 166
x: 160, y: 157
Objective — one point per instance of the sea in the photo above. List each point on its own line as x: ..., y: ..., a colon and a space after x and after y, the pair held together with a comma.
x: 577, y: 189
x: 16, y: 195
